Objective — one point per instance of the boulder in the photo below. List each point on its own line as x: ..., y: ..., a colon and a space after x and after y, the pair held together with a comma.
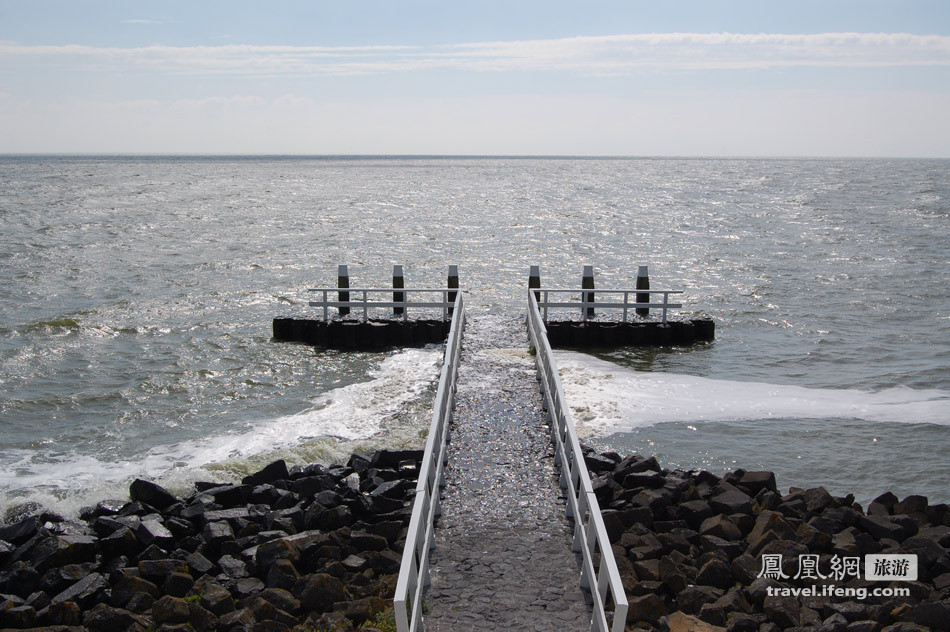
x: 151, y: 494
x: 273, y: 472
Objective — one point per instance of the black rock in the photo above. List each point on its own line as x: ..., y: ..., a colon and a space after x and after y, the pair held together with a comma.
x: 86, y: 592
x: 151, y: 494
x: 20, y: 531
x: 275, y: 471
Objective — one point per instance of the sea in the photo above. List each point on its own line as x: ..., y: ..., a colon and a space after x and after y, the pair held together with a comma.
x: 137, y: 295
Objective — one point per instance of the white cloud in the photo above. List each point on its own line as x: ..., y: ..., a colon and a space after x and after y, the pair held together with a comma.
x: 612, y: 54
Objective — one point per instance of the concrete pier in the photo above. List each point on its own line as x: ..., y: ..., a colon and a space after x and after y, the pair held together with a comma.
x: 503, y: 557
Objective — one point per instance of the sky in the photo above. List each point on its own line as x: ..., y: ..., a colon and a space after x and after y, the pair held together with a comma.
x: 856, y: 78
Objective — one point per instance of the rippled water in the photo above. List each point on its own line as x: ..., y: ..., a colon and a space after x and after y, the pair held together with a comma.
x: 137, y: 296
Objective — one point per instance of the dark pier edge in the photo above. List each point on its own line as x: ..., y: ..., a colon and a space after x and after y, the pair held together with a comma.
x: 379, y: 334
x: 358, y: 335
x: 630, y: 334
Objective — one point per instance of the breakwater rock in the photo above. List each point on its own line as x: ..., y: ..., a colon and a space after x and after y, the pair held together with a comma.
x: 703, y: 552
x: 307, y: 547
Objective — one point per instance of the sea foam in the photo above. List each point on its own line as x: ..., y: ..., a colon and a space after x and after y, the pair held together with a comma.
x: 607, y: 398
x: 342, y: 416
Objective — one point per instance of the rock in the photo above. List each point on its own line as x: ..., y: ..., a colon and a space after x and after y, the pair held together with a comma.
x: 178, y: 584
x: 170, y: 609
x: 648, y: 608
x: 934, y: 615
x: 715, y: 573
x: 104, y: 618
x: 360, y: 611
x: 720, y: 526
x: 363, y: 541
x: 282, y: 599
x: 18, y: 617
x: 20, y: 531
x: 127, y: 586
x: 638, y: 480
x: 264, y: 610
x: 159, y: 570
x: 282, y: 574
x: 880, y: 527
x: 237, y: 621
x: 755, y: 482
x: 198, y: 564
x: 201, y: 619
x: 771, y: 521
x: 783, y: 611
x: 672, y: 575
x: 392, y: 458
x: 233, y: 567
x: 273, y: 472
x: 681, y: 622
x: 731, y: 501
x: 270, y: 552
x: 692, y: 598
x: 62, y: 550
x: 121, y: 542
x: 152, y: 531
x: 695, y: 512
x: 213, y: 596
x: 818, y: 499
x: 63, y: 613
x: 883, y: 505
x: 151, y: 494
x: 319, y: 592
x: 86, y: 592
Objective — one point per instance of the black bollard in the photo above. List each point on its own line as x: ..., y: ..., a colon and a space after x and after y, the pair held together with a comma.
x: 453, y: 282
x: 587, y: 283
x: 534, y: 280
x: 343, y: 280
x: 643, y: 283
x: 399, y: 281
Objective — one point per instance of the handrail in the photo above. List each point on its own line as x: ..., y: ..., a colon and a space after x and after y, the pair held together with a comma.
x: 590, y: 535
x: 586, y: 303
x: 414, y: 568
x: 445, y: 304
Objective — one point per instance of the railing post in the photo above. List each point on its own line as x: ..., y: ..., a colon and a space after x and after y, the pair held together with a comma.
x: 399, y: 281
x: 343, y: 280
x: 587, y: 283
x: 666, y: 300
x: 643, y: 283
x: 453, y: 282
x: 365, y: 306
x: 626, y: 301
x: 326, y: 309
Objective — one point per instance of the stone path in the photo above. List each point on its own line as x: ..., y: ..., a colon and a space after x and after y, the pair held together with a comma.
x: 503, y: 558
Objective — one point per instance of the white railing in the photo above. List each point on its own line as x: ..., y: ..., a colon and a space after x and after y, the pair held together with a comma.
x: 364, y: 303
x: 414, y: 568
x: 585, y: 303
x: 590, y: 535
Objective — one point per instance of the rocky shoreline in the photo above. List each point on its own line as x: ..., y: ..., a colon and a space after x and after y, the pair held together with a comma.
x: 690, y: 547
x: 318, y: 548
x: 305, y: 548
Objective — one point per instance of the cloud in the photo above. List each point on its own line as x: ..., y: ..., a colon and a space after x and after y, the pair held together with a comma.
x: 595, y: 55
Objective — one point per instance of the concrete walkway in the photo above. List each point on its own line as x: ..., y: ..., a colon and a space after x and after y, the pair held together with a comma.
x: 503, y: 558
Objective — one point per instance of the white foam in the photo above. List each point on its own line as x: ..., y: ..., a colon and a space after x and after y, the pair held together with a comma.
x: 607, y: 398
x: 354, y: 412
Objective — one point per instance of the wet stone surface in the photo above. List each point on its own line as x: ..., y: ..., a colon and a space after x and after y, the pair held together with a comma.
x: 503, y: 558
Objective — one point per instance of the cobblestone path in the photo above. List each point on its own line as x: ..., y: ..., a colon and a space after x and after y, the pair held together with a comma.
x: 503, y: 558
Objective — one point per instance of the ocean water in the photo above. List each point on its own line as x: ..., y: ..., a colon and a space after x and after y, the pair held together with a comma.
x: 137, y: 295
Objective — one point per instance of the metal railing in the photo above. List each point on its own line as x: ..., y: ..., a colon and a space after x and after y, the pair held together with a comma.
x: 399, y: 307
x: 414, y: 568
x: 585, y: 303
x: 590, y: 535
